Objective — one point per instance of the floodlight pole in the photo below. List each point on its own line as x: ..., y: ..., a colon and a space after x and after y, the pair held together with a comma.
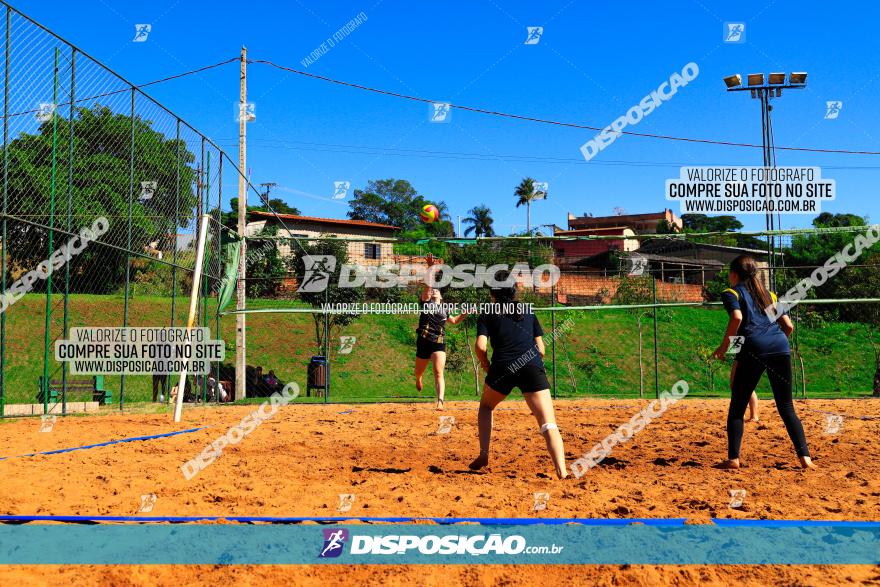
x: 768, y: 217
x: 764, y: 92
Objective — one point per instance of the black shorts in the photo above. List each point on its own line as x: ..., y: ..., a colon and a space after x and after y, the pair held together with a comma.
x: 529, y: 378
x: 425, y: 348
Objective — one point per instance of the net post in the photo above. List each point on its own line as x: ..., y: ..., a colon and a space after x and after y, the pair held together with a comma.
x: 205, y: 192
x: 553, y: 338
x: 326, y: 344
x: 219, y: 263
x: 176, y: 224
x: 193, y: 303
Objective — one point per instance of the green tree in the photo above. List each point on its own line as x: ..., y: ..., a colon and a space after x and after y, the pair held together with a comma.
x: 480, y: 221
x: 102, y: 186
x: 413, y: 242
x: 333, y: 294
x: 230, y: 219
x: 664, y: 227
x: 862, y: 281
x: 699, y: 223
x: 859, y: 280
x: 504, y: 252
x: 398, y: 203
x: 716, y: 286
x: 827, y: 219
x: 703, y: 223
x: 815, y: 249
x: 265, y: 267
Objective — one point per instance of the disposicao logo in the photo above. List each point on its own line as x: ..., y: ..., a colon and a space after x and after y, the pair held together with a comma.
x: 334, y: 542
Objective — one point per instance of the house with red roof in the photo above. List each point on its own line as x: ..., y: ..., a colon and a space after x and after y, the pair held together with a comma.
x: 370, y: 243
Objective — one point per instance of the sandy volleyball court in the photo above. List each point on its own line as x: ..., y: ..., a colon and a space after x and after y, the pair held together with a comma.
x: 390, y: 457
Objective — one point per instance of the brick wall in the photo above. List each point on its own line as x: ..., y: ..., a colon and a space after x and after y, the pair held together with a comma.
x: 590, y: 286
x: 574, y: 288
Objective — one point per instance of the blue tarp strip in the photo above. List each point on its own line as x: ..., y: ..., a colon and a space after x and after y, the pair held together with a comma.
x: 402, y: 520
x: 108, y: 443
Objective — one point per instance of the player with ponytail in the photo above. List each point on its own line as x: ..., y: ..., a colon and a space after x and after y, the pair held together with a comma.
x: 764, y: 347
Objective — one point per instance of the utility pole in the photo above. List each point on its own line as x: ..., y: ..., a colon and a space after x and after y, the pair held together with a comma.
x: 240, y: 321
x: 268, y: 186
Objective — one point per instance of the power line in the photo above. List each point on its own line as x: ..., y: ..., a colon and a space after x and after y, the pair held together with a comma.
x: 475, y: 156
x: 465, y: 156
x: 186, y: 73
x: 128, y: 89
x: 547, y: 121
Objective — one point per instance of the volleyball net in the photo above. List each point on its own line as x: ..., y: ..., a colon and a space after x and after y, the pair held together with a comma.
x: 622, y: 317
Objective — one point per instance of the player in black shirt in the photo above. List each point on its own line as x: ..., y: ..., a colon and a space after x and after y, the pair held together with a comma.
x: 431, y: 337
x: 517, y: 352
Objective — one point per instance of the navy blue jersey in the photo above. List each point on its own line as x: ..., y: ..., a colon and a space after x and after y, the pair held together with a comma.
x: 512, y: 340
x: 763, y: 337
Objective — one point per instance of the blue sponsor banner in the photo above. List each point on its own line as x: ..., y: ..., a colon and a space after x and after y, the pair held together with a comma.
x: 849, y: 543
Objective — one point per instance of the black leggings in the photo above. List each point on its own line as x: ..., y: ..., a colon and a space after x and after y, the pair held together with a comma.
x: 745, y: 380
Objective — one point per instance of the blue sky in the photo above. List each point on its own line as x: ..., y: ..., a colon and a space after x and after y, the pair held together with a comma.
x: 594, y: 61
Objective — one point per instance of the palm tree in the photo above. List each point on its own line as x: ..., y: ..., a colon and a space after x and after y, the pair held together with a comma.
x: 480, y: 221
x: 526, y: 192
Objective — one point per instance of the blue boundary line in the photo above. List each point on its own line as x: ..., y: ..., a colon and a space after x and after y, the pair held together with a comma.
x: 108, y: 443
x: 721, y: 522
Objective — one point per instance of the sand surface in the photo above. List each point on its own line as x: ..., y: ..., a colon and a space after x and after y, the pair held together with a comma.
x: 391, y: 458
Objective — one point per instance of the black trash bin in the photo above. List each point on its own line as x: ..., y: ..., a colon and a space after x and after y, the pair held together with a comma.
x: 317, y: 376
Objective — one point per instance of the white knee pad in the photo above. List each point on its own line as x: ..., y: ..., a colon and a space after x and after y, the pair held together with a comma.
x: 549, y: 426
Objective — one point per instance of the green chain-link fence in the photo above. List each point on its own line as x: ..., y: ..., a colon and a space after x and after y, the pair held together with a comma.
x: 81, y: 144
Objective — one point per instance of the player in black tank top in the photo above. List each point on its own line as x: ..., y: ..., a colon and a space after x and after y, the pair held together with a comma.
x: 431, y: 336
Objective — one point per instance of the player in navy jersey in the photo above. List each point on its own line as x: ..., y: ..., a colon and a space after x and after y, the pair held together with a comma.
x: 764, y: 347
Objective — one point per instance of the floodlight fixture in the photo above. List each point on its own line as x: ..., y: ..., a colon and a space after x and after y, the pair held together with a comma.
x: 733, y: 81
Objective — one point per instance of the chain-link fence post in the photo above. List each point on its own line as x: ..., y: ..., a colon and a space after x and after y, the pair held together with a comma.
x: 176, y: 223
x: 48, y: 316
x: 70, y: 155
x: 656, y: 346
x: 128, y: 241
x: 4, y: 252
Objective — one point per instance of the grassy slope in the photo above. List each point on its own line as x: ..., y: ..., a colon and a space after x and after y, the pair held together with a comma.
x: 598, y: 354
